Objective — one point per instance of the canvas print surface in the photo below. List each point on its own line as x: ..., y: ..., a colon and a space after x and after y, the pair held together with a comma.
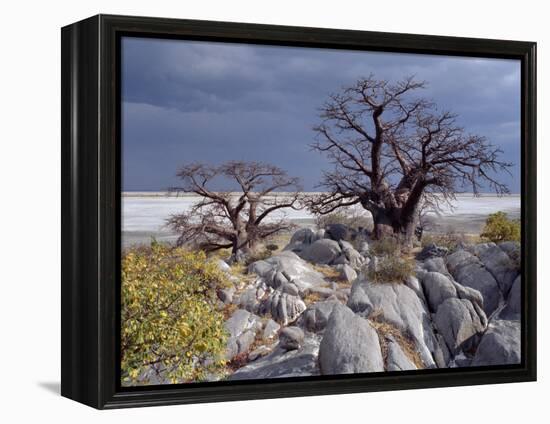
x: 299, y: 212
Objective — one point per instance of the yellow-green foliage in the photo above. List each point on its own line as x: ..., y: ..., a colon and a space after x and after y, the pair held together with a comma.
x: 498, y: 227
x: 169, y: 320
x: 391, y: 269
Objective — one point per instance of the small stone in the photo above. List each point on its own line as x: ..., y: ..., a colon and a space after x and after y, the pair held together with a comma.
x: 258, y: 353
x: 347, y: 273
x: 291, y: 338
x: 270, y: 330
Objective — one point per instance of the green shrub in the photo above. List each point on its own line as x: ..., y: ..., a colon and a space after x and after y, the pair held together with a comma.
x: 498, y: 227
x: 169, y: 320
x: 385, y: 246
x: 391, y: 269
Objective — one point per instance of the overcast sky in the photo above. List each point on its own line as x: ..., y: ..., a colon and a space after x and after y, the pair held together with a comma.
x: 187, y: 101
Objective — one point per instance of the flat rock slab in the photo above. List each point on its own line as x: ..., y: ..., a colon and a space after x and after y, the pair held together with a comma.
x: 281, y: 363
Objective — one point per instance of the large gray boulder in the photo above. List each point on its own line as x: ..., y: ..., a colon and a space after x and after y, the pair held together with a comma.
x: 437, y: 288
x: 339, y: 232
x: 499, y: 264
x: 323, y: 251
x: 401, y: 307
x: 316, y: 316
x: 470, y: 272
x: 459, y: 324
x: 512, y: 249
x: 435, y: 264
x: 283, y: 307
x: 304, y: 236
x: 281, y: 363
x: 349, y: 345
x: 301, y: 239
x: 500, y: 345
x: 512, y: 310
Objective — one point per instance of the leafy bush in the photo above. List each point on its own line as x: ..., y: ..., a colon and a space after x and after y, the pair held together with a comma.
x: 385, y: 246
x: 391, y: 269
x: 169, y: 321
x: 498, y: 227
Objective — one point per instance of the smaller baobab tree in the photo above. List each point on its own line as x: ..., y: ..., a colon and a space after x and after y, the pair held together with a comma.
x: 392, y: 151
x: 236, y: 220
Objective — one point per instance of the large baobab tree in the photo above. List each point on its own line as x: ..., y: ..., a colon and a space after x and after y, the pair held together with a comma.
x: 391, y: 150
x: 237, y: 220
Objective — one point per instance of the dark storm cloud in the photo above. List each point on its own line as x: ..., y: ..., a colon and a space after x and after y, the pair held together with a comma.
x: 187, y: 101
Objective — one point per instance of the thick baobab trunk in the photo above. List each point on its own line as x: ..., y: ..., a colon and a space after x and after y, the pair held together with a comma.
x: 240, y: 249
x: 393, y: 224
x: 384, y: 226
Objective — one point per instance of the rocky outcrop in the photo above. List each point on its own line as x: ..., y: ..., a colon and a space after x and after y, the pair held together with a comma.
x: 309, y: 323
x: 281, y: 363
x: 437, y: 289
x: 242, y: 327
x: 315, y: 318
x: 396, y: 359
x: 400, y: 306
x: 283, y: 307
x: 459, y: 324
x: 498, y: 263
x: 500, y: 345
x: 349, y: 345
x: 286, y: 267
x: 468, y: 270
x: 323, y: 251
x: 512, y: 310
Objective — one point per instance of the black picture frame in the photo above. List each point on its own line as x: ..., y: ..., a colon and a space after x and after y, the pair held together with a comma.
x: 91, y: 189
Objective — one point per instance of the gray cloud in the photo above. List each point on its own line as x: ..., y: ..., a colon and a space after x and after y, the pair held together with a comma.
x: 185, y: 101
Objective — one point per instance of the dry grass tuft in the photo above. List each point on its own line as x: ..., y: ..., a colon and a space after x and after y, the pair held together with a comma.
x: 328, y: 272
x: 391, y: 269
x: 311, y: 298
x: 384, y: 329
